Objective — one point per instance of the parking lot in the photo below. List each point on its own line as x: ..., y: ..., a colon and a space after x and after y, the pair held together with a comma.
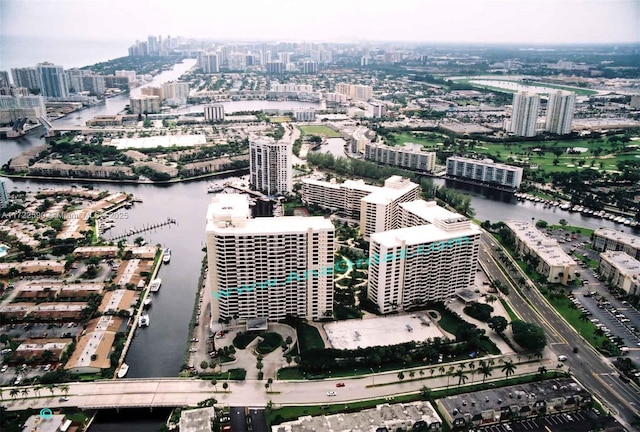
x: 565, y: 422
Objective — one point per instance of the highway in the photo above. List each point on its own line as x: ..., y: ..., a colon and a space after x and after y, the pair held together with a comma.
x: 593, y: 370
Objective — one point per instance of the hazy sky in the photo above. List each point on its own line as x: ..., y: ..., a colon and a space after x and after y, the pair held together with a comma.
x: 518, y: 21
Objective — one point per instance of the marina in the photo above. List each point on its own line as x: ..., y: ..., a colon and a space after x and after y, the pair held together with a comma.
x: 585, y: 211
x: 145, y: 228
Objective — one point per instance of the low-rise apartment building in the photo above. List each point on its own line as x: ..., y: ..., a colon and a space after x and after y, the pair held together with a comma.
x: 608, y: 239
x: 552, y: 261
x: 409, y: 156
x: 621, y: 270
x: 484, y: 171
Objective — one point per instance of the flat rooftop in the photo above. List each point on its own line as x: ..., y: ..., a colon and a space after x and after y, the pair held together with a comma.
x: 422, y: 234
x: 393, y: 417
x: 625, y: 263
x: 622, y: 237
x: 429, y: 210
x: 381, y: 331
x: 547, y: 248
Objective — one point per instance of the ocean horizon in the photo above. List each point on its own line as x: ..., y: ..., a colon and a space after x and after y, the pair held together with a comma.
x: 24, y: 51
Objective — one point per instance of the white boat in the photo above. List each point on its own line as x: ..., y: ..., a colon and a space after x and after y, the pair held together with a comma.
x: 214, y: 188
x: 166, y: 255
x: 147, y: 302
x: 155, y: 285
x: 144, y: 320
x: 122, y: 372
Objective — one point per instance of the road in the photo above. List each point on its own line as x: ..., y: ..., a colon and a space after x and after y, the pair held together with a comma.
x: 593, y: 370
x: 181, y: 392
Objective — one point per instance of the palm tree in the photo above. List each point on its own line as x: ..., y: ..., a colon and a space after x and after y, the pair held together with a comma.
x: 25, y: 392
x: 485, y: 370
x: 412, y: 374
x: 421, y: 373
x: 432, y: 371
x: 37, y: 390
x: 225, y: 386
x: 269, y: 384
x: 65, y: 389
x: 1, y: 392
x: 400, y: 375
x: 583, y: 319
x: 425, y: 392
x: 14, y: 393
x: 462, y: 378
x: 441, y: 369
x: 598, y: 332
x: 542, y: 370
x: 449, y: 373
x: 214, y: 382
x: 51, y: 388
x: 508, y: 368
x: 472, y: 367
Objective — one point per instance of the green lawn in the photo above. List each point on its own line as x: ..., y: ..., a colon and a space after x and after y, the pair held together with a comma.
x: 280, y: 119
x: 243, y: 339
x: 320, y: 130
x: 426, y: 139
x: 543, y: 154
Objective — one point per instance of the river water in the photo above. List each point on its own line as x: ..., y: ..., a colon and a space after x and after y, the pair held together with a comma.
x: 157, y: 351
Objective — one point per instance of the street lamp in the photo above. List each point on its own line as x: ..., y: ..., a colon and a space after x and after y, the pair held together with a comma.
x: 373, y: 377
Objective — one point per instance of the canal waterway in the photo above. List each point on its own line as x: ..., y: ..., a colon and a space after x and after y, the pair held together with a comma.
x: 157, y: 351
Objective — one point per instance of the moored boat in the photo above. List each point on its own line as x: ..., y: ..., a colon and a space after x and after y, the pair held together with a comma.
x: 155, y: 285
x: 122, y: 372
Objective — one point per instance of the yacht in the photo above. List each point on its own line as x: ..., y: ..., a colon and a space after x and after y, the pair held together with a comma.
x: 214, y: 188
x: 143, y: 321
x: 122, y: 372
x: 147, y: 302
x: 166, y: 255
x: 155, y: 285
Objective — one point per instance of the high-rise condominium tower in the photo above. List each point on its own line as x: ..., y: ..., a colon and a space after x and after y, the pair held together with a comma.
x: 560, y: 112
x: 268, y: 267
x: 270, y: 166
x: 525, y: 114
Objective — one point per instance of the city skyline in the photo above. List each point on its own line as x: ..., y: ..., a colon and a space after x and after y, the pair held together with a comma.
x: 458, y: 21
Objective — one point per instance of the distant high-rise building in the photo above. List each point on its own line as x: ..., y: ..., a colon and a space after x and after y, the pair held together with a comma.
x: 524, y: 117
x: 176, y: 90
x: 3, y: 195
x: 560, y: 112
x: 274, y: 67
x: 268, y: 267
x: 355, y: 91
x: 53, y: 81
x: 4, y: 79
x: 305, y: 114
x: 26, y: 77
x: 214, y: 113
x: 270, y: 165
x: 145, y: 104
x: 310, y: 67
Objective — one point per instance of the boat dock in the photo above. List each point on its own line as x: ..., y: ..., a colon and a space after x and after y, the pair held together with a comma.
x: 145, y: 228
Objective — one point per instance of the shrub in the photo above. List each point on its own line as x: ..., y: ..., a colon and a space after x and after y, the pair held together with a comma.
x: 479, y: 311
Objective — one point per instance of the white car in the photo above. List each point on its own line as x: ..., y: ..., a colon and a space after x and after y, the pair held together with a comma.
x: 4, y: 368
x: 562, y: 358
x: 331, y: 393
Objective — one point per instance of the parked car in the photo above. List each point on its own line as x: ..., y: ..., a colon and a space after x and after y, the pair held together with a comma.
x: 562, y: 358
x: 340, y: 384
x: 331, y: 393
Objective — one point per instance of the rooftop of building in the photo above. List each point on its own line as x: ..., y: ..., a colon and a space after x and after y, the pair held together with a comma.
x: 394, y: 188
x: 197, y: 420
x: 430, y: 211
x: 39, y: 423
x: 231, y: 212
x: 385, y: 415
x: 547, y: 248
x: 43, y: 344
x: 626, y: 238
x: 486, y: 162
x: 518, y: 395
x: 422, y: 234
x: 625, y: 263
